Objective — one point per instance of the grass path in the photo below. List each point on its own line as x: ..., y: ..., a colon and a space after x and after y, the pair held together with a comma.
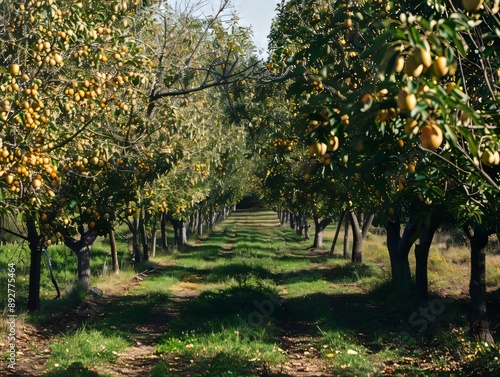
x: 250, y: 300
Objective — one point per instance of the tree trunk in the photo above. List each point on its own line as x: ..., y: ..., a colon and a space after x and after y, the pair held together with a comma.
x: 200, y: 223
x: 82, y: 249
x: 164, y: 241
x: 211, y: 218
x: 183, y: 232
x: 319, y: 227
x: 421, y: 258
x: 298, y: 224
x: 35, y: 264
x: 180, y: 236
x: 193, y: 219
x: 281, y: 215
x: 339, y: 225
x: 114, y: 253
x: 292, y: 220
x: 143, y: 236
x: 305, y: 227
x: 357, y: 239
x: 3, y: 241
x: 478, y: 319
x: 367, y: 224
x: 399, y: 248
x: 346, y: 235
x: 153, y: 237
x: 136, y: 242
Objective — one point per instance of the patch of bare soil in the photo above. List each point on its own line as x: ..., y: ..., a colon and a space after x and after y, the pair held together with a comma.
x: 303, y: 352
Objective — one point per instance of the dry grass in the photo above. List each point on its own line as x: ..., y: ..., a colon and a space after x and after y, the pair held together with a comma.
x: 5, y: 325
x: 449, y: 259
x: 113, y: 280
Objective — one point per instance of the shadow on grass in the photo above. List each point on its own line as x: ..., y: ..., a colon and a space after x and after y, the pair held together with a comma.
x: 125, y: 313
x: 241, y: 272
x: 223, y: 364
x: 75, y: 369
x: 379, y: 318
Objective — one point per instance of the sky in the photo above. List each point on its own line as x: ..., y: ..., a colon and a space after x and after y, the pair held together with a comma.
x: 255, y: 13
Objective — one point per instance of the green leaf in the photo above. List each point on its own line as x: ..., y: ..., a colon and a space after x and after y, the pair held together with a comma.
x: 467, y: 134
x: 73, y: 203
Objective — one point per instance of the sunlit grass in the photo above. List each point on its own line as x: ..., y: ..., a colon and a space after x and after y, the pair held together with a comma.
x: 86, y: 346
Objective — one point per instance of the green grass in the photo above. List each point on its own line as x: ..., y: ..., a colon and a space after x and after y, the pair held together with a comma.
x: 87, y: 347
x: 347, y: 357
x: 254, y: 281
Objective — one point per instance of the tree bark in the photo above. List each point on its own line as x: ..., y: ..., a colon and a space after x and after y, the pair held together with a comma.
x: 305, y: 227
x: 292, y: 220
x: 114, y: 253
x: 193, y: 219
x: 164, y: 241
x: 298, y: 223
x: 3, y: 241
x: 200, y: 222
x: 153, y: 237
x: 339, y: 225
x: 211, y: 218
x: 82, y: 249
x: 143, y: 236
x: 319, y: 226
x: 35, y: 264
x: 399, y: 248
x: 367, y: 224
x: 421, y: 259
x: 183, y: 232
x: 478, y: 319
x: 346, y: 234
x: 180, y: 234
x: 357, y: 239
x: 136, y: 242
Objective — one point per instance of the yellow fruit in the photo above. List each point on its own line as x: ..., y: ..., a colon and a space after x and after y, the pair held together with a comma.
x: 472, y: 5
x: 333, y: 144
x: 36, y: 183
x: 431, y: 137
x: 58, y: 58
x: 9, y: 179
x: 400, y: 64
x: 406, y: 102
x: 440, y: 66
x: 348, y: 22
x: 411, y: 126
x: 14, y: 69
x: 496, y: 157
x: 423, y: 56
x: 413, y: 67
x: 411, y: 101
x: 367, y: 99
x: 490, y: 158
x: 344, y: 120
x: 317, y: 149
x: 313, y: 124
